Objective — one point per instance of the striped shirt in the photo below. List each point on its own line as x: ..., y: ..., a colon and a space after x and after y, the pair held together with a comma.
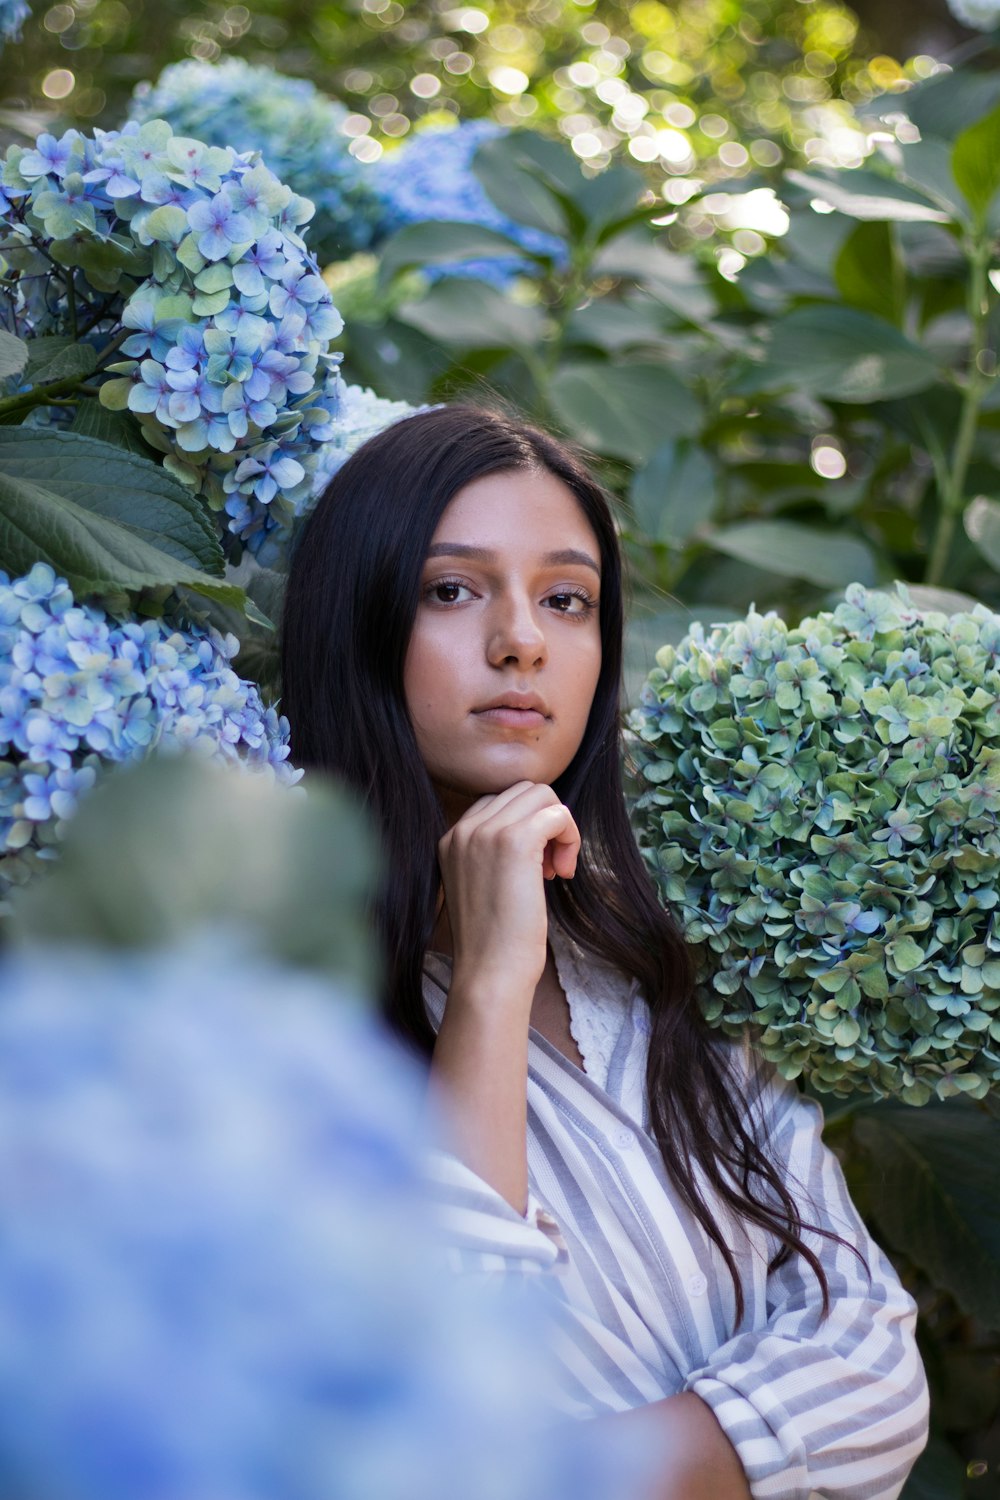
x: 833, y: 1408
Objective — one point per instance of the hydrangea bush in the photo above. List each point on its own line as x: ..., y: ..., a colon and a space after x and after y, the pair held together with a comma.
x: 79, y: 689
x: 820, y: 808
x: 431, y: 177
x: 217, y: 1277
x: 182, y: 269
x: 298, y: 131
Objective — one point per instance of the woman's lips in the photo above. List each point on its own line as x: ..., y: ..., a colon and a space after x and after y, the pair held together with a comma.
x: 513, y: 718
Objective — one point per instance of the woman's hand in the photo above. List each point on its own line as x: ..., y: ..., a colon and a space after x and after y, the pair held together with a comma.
x: 494, y: 862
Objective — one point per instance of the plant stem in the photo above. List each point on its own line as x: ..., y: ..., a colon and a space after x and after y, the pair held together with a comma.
x: 953, y: 491
x: 27, y: 400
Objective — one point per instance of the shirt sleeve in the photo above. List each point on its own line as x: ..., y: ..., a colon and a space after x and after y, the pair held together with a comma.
x: 837, y: 1406
x: 482, y: 1232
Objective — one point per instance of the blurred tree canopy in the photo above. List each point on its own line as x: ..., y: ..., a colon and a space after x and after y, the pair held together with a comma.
x: 724, y: 85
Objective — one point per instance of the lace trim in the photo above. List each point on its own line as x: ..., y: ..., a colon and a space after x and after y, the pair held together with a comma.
x: 599, y: 1000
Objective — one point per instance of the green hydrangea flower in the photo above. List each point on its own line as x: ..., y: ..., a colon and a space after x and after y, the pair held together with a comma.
x: 820, y: 808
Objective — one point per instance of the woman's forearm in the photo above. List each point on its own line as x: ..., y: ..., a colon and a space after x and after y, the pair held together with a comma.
x: 480, y: 1068
x: 700, y: 1463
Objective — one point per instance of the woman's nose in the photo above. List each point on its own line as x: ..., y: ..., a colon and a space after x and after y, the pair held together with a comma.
x: 516, y: 634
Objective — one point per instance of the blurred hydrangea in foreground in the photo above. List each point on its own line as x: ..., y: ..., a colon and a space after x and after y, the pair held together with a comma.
x: 78, y: 689
x: 431, y: 177
x: 821, y: 807
x: 298, y: 131
x: 216, y: 1278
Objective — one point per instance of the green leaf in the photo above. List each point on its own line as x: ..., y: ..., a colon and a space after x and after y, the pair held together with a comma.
x: 864, y: 194
x: 56, y: 358
x: 460, y: 310
x: 829, y: 559
x: 530, y: 179
x: 623, y: 410
x: 121, y: 486
x: 186, y: 842
x: 675, y: 493
x: 982, y: 526
x: 611, y: 198
x: 939, y: 1170
x: 121, y: 428
x: 865, y: 271
x: 13, y: 354
x: 97, y: 554
x: 444, y: 243
x: 975, y: 162
x: 946, y: 104
x: 675, y: 280
x: 843, y: 355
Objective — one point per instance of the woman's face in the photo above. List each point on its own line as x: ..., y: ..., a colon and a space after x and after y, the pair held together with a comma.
x: 505, y: 651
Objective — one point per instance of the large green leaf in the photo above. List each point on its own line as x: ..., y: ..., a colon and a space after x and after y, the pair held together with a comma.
x: 57, y: 358
x: 675, y: 493
x: 623, y: 410
x: 159, y: 853
x: 105, y: 478
x: 950, y: 102
x: 13, y: 354
x: 867, y: 272
x: 975, y: 162
x: 829, y: 559
x: 675, y: 280
x: 444, y: 243
x: 939, y: 1171
x: 864, y: 194
x: 97, y: 555
x: 982, y: 527
x: 470, y: 313
x: 94, y: 420
x: 532, y: 180
x: 843, y: 355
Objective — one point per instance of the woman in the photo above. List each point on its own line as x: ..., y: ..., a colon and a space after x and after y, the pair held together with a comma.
x: 453, y: 648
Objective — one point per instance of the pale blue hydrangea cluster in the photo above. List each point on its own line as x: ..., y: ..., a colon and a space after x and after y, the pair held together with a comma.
x: 217, y: 1276
x: 982, y: 15
x: 79, y: 689
x: 431, y: 177
x: 193, y: 257
x: 298, y: 130
x: 359, y: 415
x: 13, y: 14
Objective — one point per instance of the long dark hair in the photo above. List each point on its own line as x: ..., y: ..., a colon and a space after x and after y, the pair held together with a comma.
x: 352, y: 596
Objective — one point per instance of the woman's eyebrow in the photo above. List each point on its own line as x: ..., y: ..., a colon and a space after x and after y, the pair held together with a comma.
x: 566, y: 556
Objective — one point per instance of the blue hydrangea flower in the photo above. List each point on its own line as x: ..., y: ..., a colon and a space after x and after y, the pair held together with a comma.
x: 196, y: 255
x: 431, y: 177
x: 13, y: 14
x: 217, y: 1274
x: 297, y: 130
x: 79, y: 689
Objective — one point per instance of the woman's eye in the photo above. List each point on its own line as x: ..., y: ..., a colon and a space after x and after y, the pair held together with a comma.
x: 568, y: 603
x: 448, y: 591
